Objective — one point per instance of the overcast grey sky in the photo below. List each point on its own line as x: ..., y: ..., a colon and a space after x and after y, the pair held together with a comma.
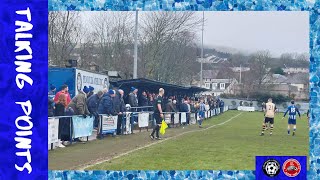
x: 278, y: 32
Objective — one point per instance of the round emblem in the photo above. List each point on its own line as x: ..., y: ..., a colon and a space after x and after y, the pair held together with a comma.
x: 271, y: 168
x: 79, y: 82
x: 291, y: 167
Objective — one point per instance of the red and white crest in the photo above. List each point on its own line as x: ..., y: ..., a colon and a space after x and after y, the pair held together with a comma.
x: 291, y: 167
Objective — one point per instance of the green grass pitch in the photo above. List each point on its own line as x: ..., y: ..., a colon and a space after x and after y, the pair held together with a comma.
x: 232, y: 145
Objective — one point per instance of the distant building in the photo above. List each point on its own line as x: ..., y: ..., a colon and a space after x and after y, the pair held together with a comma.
x: 295, y: 85
x: 237, y: 69
x: 216, y: 83
x: 293, y: 70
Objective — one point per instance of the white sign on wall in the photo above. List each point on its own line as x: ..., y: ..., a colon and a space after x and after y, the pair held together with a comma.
x: 109, y: 124
x: 53, y: 127
x: 143, y: 120
x: 85, y: 78
x: 183, y: 117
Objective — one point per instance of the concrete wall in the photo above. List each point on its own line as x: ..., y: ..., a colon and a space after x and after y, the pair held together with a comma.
x: 234, y: 103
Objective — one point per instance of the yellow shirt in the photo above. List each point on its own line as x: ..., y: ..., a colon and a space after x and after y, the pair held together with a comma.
x: 270, y: 110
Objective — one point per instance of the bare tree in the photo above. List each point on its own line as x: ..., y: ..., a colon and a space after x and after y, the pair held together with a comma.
x: 114, y: 38
x: 169, y: 45
x: 64, y: 34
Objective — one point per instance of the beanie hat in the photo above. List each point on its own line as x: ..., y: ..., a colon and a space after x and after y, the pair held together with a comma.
x: 111, y: 91
x: 52, y: 87
x: 85, y: 89
x: 132, y: 89
x: 91, y: 88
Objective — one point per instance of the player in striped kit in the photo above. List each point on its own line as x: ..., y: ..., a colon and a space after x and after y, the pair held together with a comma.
x: 293, y: 110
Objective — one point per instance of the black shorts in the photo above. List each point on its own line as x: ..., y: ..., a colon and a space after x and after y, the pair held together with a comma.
x: 157, y: 118
x: 268, y: 120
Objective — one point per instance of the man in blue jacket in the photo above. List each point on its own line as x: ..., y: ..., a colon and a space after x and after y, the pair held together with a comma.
x: 221, y: 104
x: 93, y: 104
x: 106, y: 103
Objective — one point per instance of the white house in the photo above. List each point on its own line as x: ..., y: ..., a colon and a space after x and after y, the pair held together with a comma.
x: 218, y: 85
x: 292, y: 70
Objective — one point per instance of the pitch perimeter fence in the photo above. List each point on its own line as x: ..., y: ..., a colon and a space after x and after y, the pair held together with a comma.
x: 78, y: 126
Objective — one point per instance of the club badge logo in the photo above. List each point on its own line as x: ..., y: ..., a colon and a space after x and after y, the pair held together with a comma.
x: 271, y: 168
x: 291, y: 167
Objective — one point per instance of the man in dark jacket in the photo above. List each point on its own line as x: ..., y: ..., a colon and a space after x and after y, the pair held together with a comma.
x: 144, y: 100
x: 91, y: 89
x: 170, y: 108
x: 106, y: 104
x: 117, y: 109
x: 221, y: 106
x: 93, y: 103
x: 122, y: 110
x: 116, y: 101
x: 184, y: 107
x: 133, y: 98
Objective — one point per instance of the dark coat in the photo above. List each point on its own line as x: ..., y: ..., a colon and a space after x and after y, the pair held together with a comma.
x: 184, y: 107
x: 122, y: 105
x: 93, y: 103
x: 116, y: 102
x: 133, y: 100
x: 221, y: 104
x: 79, y: 104
x: 59, y: 110
x: 50, y: 107
x: 106, y: 105
x: 169, y: 107
x: 143, y: 100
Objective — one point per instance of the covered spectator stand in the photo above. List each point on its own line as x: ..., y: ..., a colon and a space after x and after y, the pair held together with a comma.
x: 152, y: 86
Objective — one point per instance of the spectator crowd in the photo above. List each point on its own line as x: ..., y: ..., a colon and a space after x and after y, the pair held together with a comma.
x: 115, y: 102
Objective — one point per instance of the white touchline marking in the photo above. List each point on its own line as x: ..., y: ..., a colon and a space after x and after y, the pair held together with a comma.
x: 146, y: 146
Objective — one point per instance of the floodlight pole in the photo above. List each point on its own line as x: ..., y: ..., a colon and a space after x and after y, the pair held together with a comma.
x: 135, y: 63
x: 240, y: 73
x: 201, y: 71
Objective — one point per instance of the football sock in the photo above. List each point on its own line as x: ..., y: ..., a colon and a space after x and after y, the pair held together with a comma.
x: 294, y: 130
x: 263, y: 128
x: 271, y: 128
x: 288, y: 131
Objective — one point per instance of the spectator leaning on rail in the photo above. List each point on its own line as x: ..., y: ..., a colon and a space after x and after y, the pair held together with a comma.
x: 93, y: 103
x: 106, y: 104
x: 79, y: 106
x: 64, y: 90
x: 158, y: 114
x: 79, y: 103
x: 91, y: 89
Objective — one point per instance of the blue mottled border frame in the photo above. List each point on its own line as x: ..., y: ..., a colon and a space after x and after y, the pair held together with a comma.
x: 211, y: 5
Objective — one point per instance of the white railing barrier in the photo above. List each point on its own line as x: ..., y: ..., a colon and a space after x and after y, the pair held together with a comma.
x: 108, y: 124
